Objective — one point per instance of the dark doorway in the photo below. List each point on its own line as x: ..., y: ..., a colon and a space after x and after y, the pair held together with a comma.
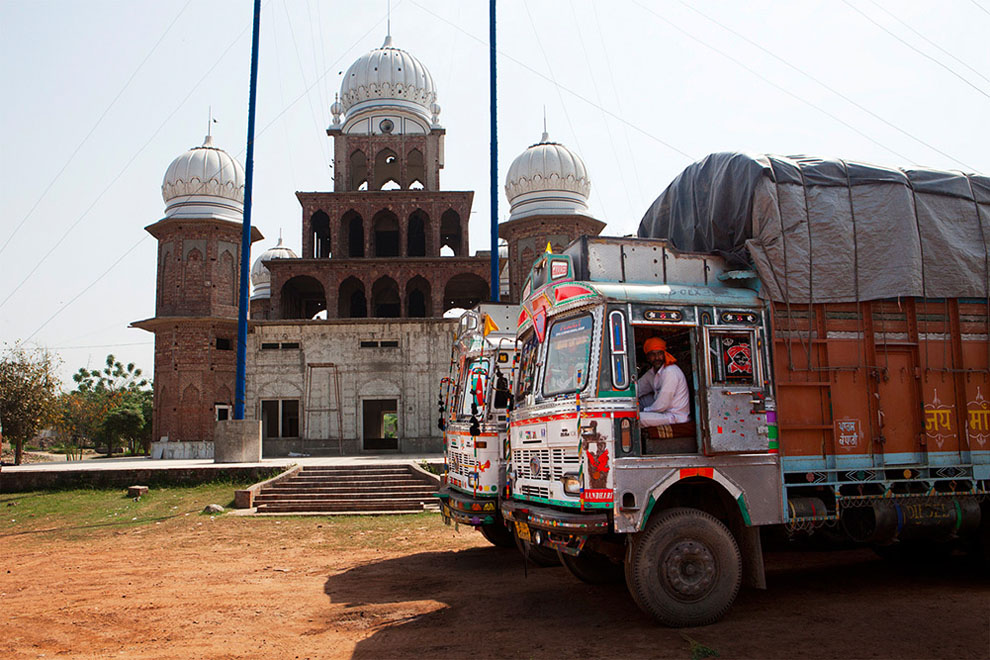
x: 381, y: 424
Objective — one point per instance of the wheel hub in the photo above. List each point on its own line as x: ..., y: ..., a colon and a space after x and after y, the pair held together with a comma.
x: 689, y: 569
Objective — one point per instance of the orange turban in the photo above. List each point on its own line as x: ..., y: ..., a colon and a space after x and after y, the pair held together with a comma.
x: 658, y: 344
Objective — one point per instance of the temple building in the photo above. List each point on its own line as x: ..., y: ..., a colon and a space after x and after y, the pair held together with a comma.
x: 348, y: 341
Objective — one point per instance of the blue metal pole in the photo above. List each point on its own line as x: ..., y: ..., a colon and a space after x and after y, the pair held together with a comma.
x: 242, y: 306
x: 494, y: 150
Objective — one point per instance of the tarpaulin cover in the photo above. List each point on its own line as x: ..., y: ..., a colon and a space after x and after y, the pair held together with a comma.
x: 830, y: 230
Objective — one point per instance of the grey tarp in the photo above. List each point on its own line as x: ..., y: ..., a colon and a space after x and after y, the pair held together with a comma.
x: 831, y: 230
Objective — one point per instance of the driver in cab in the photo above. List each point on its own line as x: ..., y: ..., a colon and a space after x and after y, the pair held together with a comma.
x: 662, y: 390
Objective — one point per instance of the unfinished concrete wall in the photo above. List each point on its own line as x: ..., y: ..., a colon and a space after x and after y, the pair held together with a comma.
x: 401, y: 360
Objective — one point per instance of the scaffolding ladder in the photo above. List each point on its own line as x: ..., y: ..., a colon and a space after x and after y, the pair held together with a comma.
x: 314, y: 401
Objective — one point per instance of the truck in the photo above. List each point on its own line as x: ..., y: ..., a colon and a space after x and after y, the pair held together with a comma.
x: 832, y: 323
x: 473, y: 417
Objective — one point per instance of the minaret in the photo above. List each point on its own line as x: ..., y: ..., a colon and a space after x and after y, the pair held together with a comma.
x: 195, y: 322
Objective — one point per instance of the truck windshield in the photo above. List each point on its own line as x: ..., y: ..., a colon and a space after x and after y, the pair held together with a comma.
x: 475, y: 386
x: 568, y: 355
x: 527, y: 365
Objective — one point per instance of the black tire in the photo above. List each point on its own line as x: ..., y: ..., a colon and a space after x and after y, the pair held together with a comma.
x: 498, y: 534
x: 685, y: 568
x: 592, y: 568
x: 536, y: 553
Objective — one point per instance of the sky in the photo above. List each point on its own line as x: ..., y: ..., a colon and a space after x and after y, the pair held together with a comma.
x: 99, y: 97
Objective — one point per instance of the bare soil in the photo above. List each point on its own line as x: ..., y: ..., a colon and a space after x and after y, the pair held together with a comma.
x: 239, y: 587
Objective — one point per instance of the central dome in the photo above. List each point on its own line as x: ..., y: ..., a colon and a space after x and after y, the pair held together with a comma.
x: 547, y: 179
x: 388, y: 76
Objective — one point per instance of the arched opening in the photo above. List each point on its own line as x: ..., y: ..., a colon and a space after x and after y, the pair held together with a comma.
x: 319, y: 225
x: 227, y: 279
x: 416, y: 234
x: 386, y: 233
x: 391, y: 184
x: 385, y: 298
x: 416, y: 185
x: 386, y: 168
x: 419, y: 304
x: 358, y: 170
x: 351, y: 301
x: 450, y: 231
x: 302, y: 298
x: 353, y: 239
x: 465, y: 290
x: 415, y: 171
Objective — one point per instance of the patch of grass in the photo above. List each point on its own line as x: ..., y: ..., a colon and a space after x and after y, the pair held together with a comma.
x: 91, y: 508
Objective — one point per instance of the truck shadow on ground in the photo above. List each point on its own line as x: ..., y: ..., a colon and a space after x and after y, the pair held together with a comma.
x: 479, y: 603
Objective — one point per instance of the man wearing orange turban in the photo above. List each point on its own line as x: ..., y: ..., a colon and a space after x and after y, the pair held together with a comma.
x: 663, y: 390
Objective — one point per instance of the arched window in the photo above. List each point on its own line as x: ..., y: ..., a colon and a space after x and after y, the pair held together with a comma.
x: 419, y: 304
x: 386, y: 233
x: 415, y: 171
x: 352, y: 226
x: 319, y: 225
x: 465, y: 291
x: 351, y: 301
x: 386, y: 168
x: 416, y: 233
x: 302, y: 298
x: 450, y: 231
x: 358, y: 170
x: 385, y: 298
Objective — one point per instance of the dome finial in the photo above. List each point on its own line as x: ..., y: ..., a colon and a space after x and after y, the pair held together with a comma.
x: 546, y: 136
x: 388, y: 25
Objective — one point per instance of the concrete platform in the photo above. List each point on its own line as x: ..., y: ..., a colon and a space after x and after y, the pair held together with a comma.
x: 123, y: 472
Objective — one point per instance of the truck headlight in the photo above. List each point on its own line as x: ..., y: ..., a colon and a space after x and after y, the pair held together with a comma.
x: 572, y: 485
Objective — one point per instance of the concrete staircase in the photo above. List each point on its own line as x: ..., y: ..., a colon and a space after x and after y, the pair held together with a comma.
x: 350, y: 489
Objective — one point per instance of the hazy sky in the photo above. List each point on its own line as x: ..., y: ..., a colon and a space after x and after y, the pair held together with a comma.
x: 99, y: 97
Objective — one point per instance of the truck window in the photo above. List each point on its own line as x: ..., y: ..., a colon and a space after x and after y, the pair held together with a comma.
x: 731, y: 355
x: 475, y: 386
x: 568, y: 355
x: 527, y: 365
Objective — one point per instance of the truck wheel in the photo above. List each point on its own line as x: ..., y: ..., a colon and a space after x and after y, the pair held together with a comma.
x: 498, y: 534
x: 592, y: 567
x: 685, y: 569
x: 536, y: 553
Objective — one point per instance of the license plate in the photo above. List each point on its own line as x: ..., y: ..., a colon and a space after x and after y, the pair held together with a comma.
x: 522, y: 531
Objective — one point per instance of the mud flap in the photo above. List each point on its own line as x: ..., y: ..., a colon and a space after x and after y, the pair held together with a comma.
x: 751, y: 548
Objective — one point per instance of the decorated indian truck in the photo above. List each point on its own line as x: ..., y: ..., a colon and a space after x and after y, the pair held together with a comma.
x: 473, y: 416
x: 832, y: 323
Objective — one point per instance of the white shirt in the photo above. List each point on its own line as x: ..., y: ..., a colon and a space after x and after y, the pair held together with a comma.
x: 664, y: 396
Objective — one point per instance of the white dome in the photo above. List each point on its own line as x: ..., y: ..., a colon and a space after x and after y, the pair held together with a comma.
x: 204, y: 182
x: 388, y: 76
x: 547, y: 179
x: 261, y: 278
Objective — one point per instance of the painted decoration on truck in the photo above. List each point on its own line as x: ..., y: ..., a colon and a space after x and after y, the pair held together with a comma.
x: 598, y: 470
x: 848, y: 435
x: 978, y: 420
x: 938, y: 420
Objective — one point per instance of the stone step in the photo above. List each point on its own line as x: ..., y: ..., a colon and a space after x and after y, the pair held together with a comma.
x: 391, y: 504
x: 345, y: 495
x: 364, y: 488
x: 356, y: 469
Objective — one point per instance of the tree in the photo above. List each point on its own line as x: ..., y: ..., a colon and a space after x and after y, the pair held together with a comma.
x: 116, y: 393
x: 29, y: 390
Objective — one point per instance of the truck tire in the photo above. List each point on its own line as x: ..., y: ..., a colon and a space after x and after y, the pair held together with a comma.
x: 536, y: 553
x: 685, y: 568
x: 592, y: 568
x: 498, y: 534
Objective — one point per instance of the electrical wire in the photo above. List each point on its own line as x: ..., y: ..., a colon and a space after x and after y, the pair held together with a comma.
x: 520, y: 63
x: 824, y: 85
x: 124, y: 169
x: 99, y: 120
x: 302, y: 73
x: 915, y: 49
x: 770, y: 82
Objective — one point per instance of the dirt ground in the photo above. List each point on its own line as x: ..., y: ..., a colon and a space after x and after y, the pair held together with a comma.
x: 239, y: 587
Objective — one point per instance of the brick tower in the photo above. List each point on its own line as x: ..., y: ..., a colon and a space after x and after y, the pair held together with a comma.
x: 195, y: 322
x: 547, y: 187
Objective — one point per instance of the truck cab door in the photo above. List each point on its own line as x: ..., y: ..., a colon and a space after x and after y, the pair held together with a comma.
x: 734, y: 389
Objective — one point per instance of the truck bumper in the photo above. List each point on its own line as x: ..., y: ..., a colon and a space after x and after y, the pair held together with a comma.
x: 554, y: 520
x: 466, y: 509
